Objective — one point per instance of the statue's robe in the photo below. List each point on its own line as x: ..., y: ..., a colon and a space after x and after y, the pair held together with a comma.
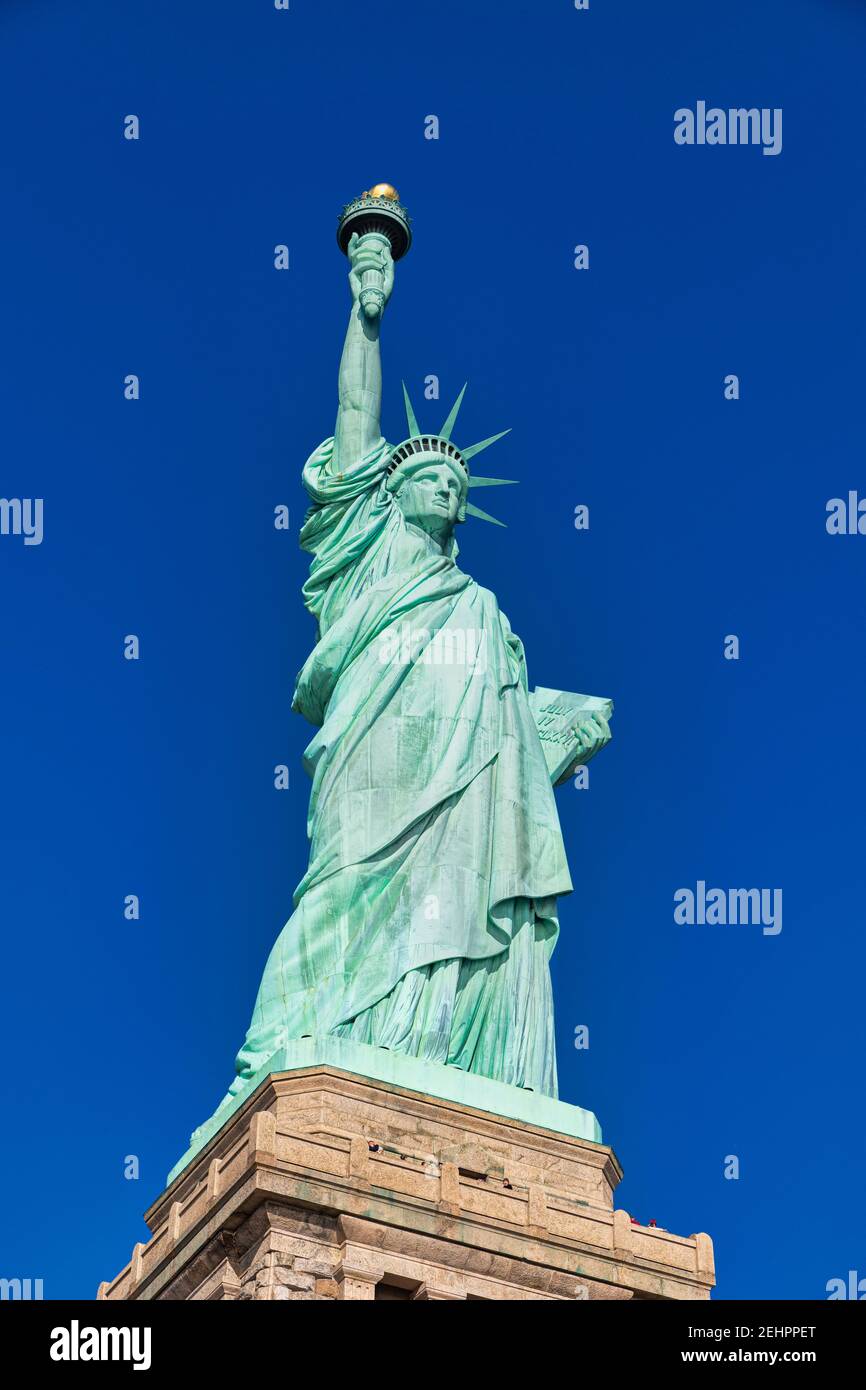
x: 427, y: 916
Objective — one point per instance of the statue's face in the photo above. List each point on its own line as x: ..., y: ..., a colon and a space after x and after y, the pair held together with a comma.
x: 430, y: 498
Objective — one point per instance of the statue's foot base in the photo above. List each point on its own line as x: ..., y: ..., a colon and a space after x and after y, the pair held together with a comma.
x: 326, y: 1184
x: 433, y: 1078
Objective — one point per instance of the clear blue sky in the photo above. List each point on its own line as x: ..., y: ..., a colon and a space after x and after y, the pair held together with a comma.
x: 707, y: 518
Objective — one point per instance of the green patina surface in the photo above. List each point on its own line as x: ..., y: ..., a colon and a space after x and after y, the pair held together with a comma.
x: 423, y: 927
x: 411, y: 1074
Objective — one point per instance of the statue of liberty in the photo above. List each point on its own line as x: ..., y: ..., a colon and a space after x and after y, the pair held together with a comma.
x: 428, y: 913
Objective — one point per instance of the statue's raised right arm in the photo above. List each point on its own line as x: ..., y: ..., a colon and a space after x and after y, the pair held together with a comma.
x: 358, y: 427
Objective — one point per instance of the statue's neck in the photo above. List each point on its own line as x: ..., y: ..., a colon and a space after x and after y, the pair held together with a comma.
x: 439, y: 543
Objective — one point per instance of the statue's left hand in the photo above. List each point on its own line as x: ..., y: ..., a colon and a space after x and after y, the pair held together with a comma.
x: 594, y: 734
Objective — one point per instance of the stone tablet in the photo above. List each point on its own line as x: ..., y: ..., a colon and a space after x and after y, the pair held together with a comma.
x: 557, y: 714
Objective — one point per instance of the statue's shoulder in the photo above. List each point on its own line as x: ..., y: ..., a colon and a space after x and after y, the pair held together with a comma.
x: 329, y: 476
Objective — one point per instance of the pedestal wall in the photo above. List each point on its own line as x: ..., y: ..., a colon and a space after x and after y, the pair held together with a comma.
x: 326, y: 1185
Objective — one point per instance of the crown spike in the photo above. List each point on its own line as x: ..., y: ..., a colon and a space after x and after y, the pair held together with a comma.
x: 484, y: 444
x: 475, y: 481
x: 445, y: 432
x: 414, y: 431
x: 482, y: 516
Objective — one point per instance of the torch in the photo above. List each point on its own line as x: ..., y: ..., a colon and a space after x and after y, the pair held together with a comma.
x: 380, y: 221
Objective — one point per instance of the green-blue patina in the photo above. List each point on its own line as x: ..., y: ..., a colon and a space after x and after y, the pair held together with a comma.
x: 423, y: 928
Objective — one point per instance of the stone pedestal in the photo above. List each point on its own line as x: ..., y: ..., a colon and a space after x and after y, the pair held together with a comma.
x: 329, y: 1185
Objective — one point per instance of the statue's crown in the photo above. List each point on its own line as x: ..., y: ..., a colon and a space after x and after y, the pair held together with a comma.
x: 441, y: 446
x: 427, y: 444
